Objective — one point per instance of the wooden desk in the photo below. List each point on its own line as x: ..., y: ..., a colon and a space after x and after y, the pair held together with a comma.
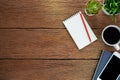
x: 34, y: 44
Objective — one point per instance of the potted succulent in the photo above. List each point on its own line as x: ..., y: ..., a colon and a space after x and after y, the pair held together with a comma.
x: 109, y: 7
x: 92, y: 7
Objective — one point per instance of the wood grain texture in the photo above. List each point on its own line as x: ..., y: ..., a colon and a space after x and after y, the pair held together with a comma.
x: 46, y: 14
x: 34, y: 44
x: 46, y: 43
x: 47, y: 69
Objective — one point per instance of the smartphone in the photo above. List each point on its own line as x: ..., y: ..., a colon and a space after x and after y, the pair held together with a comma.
x: 111, y: 71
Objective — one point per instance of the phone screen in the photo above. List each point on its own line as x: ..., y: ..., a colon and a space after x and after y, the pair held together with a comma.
x: 112, y: 70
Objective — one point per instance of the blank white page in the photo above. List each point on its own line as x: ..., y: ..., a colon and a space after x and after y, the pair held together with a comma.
x: 76, y: 27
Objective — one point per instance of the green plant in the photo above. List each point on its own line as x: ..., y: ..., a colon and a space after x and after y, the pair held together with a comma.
x: 93, y: 7
x: 112, y: 6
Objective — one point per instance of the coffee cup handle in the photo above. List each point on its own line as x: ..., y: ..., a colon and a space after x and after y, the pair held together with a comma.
x: 117, y: 47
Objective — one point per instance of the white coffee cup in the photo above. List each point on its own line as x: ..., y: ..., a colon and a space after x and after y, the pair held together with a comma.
x: 111, y: 36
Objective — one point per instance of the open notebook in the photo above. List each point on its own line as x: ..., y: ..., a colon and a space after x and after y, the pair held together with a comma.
x: 79, y: 30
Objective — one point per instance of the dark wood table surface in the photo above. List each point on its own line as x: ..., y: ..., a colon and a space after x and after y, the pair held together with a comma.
x: 34, y: 44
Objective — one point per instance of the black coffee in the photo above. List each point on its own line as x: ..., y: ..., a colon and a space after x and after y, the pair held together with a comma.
x: 111, y: 35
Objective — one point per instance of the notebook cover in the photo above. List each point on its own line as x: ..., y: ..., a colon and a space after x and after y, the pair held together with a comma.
x: 79, y: 30
x: 102, y: 62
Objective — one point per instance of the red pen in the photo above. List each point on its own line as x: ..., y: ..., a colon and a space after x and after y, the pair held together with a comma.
x: 85, y: 27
